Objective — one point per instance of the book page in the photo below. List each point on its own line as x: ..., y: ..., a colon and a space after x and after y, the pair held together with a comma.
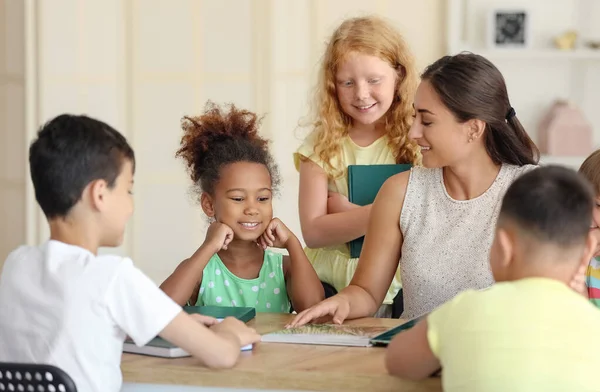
x: 333, y: 329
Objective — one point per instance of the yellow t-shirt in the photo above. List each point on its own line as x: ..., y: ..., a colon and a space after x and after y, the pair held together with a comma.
x: 533, y: 334
x: 333, y: 264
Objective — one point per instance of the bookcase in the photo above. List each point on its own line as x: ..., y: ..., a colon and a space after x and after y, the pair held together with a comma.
x: 537, y: 73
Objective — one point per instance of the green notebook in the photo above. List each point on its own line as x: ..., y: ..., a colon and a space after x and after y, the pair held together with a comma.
x: 158, y: 347
x: 364, y: 182
x: 220, y: 312
x: 385, y: 338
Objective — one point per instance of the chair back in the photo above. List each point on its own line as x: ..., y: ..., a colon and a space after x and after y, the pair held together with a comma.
x: 27, y: 377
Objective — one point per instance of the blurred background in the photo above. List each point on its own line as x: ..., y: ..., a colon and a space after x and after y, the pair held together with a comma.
x: 140, y: 65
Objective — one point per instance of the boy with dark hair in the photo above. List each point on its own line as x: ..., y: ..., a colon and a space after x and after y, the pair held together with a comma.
x: 63, y: 304
x: 530, y: 331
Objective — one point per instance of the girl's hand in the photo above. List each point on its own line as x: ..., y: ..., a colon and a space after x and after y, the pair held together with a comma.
x: 276, y: 235
x: 218, y: 236
x: 336, y: 202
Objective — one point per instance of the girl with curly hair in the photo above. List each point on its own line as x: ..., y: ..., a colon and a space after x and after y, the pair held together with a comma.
x: 236, y: 177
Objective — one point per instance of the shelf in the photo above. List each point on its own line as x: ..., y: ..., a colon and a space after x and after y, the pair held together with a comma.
x: 540, y: 54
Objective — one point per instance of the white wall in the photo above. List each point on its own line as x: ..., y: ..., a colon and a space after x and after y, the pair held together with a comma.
x: 13, y: 155
x: 142, y: 65
x: 539, y: 75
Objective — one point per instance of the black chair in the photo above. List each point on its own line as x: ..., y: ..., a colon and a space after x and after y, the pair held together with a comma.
x: 27, y: 377
x: 398, y: 305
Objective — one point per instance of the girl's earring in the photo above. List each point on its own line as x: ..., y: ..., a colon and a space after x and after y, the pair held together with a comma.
x: 211, y: 219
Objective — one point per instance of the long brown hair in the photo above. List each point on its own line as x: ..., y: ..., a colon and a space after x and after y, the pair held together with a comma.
x: 471, y: 87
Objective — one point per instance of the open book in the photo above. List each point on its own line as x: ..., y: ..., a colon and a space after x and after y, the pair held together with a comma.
x: 338, y: 335
x: 327, y: 334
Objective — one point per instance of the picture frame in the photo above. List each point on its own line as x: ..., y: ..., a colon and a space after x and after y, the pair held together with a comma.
x: 509, y: 28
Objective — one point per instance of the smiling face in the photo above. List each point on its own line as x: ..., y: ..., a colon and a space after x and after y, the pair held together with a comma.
x: 242, y: 199
x: 365, y: 87
x: 443, y: 140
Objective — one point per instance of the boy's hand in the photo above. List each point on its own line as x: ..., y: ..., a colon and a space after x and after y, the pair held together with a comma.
x: 276, y: 235
x: 218, y: 236
x: 336, y: 202
x: 233, y: 326
x: 204, y: 320
x: 578, y: 281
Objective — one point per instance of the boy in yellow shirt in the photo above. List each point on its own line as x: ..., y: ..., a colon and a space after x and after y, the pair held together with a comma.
x: 530, y: 331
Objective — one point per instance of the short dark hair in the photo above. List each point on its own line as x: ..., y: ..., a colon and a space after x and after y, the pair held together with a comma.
x: 70, y: 152
x: 219, y: 137
x: 471, y: 87
x: 552, y: 203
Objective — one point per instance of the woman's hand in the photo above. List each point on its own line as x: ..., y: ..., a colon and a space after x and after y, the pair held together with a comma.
x: 337, y: 306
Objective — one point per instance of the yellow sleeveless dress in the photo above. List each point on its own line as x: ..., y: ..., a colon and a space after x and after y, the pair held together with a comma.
x: 333, y: 264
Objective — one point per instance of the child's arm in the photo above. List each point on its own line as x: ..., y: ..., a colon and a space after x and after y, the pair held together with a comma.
x: 142, y: 311
x: 217, y: 347
x: 319, y: 228
x: 302, y: 283
x: 579, y: 281
x: 409, y: 355
x: 184, y: 281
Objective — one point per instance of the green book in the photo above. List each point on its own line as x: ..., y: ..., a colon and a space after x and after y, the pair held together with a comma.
x: 364, y: 182
x: 158, y: 347
x: 220, y: 312
x: 385, y: 338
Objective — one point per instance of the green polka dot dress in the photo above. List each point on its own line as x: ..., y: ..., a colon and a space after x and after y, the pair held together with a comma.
x: 267, y: 293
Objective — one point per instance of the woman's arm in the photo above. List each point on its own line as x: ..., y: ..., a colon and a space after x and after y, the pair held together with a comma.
x: 377, y: 264
x: 381, y: 250
x: 320, y: 229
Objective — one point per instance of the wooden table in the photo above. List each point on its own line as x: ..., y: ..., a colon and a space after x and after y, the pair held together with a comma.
x: 283, y: 366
